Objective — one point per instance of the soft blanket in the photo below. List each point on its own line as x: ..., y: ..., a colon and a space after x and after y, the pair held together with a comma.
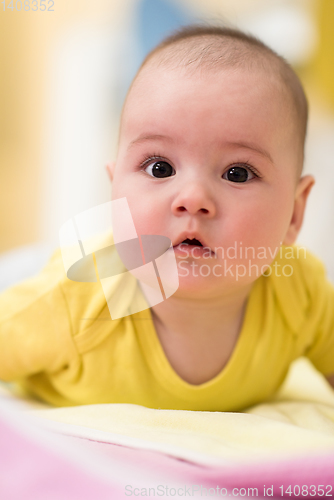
x: 282, y: 448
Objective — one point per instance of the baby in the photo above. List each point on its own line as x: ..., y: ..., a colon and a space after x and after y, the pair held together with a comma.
x: 210, y: 154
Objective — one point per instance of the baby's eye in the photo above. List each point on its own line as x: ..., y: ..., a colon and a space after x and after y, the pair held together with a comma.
x: 160, y: 169
x: 238, y: 174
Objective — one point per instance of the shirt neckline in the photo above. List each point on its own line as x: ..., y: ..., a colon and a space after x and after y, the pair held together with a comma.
x: 167, y: 376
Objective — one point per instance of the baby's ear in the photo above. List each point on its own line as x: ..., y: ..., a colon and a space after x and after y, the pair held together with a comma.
x: 110, y: 167
x: 303, y: 190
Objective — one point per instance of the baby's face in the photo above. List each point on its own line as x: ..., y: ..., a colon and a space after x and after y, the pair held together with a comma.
x: 212, y: 154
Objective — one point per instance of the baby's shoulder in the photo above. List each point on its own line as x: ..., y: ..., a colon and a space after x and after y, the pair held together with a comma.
x: 299, y: 283
x: 300, y: 265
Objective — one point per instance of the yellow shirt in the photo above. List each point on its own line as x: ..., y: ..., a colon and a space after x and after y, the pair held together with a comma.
x: 58, y: 342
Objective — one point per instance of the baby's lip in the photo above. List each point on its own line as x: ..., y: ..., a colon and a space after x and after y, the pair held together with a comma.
x: 191, y: 236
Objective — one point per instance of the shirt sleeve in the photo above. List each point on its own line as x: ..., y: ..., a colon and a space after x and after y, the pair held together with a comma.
x: 321, y: 350
x: 35, y: 325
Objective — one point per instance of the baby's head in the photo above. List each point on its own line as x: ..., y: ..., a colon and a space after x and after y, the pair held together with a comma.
x: 211, y: 144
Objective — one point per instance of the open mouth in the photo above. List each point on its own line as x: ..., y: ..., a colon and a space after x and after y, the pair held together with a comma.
x: 202, y: 247
x: 192, y: 242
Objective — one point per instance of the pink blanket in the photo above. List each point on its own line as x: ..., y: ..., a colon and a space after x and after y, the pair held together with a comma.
x: 37, y: 464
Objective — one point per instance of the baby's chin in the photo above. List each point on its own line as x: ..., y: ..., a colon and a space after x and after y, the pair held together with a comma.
x: 199, y: 286
x: 197, y: 278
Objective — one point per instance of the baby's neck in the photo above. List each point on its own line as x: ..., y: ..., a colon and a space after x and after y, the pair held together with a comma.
x: 198, y: 338
x: 191, y: 318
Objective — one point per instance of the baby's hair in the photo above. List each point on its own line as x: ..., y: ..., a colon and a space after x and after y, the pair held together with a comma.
x: 210, y: 47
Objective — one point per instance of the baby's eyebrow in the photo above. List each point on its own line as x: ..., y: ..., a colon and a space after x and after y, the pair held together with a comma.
x: 242, y: 144
x: 149, y: 137
x: 252, y: 146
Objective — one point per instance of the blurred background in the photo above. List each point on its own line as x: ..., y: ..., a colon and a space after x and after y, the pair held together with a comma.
x: 65, y: 67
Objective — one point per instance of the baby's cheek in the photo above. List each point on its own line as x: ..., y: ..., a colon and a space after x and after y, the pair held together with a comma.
x: 148, y: 220
x: 258, y: 227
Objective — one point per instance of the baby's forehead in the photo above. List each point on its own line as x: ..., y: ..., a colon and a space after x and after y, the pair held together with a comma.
x: 180, y: 85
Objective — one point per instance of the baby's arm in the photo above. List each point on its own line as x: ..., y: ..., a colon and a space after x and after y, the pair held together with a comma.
x: 34, y: 325
x: 318, y: 329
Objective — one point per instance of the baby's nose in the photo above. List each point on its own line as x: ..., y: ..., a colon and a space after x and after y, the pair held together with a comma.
x: 195, y: 200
